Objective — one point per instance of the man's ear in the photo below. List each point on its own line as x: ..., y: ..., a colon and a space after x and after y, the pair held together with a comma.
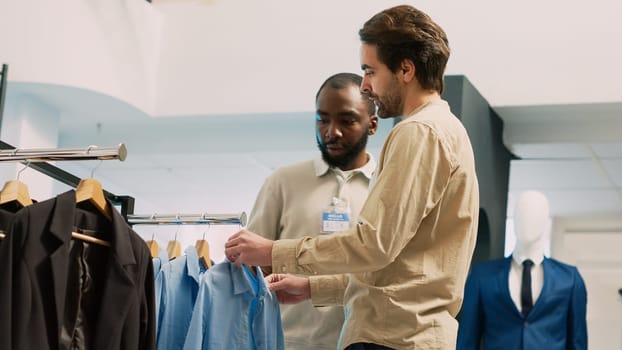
x: 373, y: 125
x: 407, y: 70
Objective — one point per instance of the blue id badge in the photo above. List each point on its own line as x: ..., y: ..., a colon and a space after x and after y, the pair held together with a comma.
x: 336, y: 217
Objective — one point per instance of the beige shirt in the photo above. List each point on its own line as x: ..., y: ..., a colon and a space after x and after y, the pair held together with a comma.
x: 290, y: 203
x: 410, y: 252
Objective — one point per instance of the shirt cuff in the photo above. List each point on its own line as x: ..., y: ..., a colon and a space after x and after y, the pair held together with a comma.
x: 284, y: 256
x: 327, y: 290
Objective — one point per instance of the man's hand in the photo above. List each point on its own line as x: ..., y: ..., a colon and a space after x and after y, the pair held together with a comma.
x: 289, y: 289
x: 246, y: 247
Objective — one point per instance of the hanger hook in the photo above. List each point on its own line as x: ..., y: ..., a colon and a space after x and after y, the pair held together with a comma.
x: 95, y: 168
x: 24, y: 168
x: 88, y: 150
x: 152, y: 236
x: 177, y: 231
x: 208, y: 227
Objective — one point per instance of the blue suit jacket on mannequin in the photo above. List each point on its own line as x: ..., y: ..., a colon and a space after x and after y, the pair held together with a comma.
x: 489, y: 316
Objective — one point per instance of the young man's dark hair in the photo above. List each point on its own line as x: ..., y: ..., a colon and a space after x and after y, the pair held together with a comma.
x: 403, y: 32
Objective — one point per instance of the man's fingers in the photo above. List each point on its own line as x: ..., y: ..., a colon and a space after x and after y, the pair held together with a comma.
x: 272, y: 278
x: 278, y: 284
x: 235, y: 235
x: 230, y: 252
x: 232, y: 242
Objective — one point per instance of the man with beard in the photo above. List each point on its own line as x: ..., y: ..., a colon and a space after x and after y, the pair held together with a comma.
x: 409, y: 253
x: 321, y: 195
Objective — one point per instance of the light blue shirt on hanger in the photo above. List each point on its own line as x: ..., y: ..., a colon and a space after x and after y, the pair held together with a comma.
x: 176, y: 287
x: 158, y: 261
x: 235, y: 310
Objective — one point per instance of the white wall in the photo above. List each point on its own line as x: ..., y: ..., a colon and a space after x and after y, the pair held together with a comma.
x: 29, y: 123
x: 235, y: 56
x: 592, y: 244
x: 111, y: 47
x: 243, y: 56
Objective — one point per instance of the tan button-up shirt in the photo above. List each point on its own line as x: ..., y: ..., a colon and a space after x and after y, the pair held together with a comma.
x: 410, y: 252
x: 289, y: 204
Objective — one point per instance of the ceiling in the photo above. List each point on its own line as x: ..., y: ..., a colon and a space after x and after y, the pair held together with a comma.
x: 572, y: 153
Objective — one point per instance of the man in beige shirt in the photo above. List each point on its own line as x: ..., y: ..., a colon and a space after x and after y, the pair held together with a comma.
x: 321, y: 196
x: 408, y: 255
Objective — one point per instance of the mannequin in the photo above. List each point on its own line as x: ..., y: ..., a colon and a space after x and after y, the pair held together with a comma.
x: 506, y: 307
x: 531, y: 223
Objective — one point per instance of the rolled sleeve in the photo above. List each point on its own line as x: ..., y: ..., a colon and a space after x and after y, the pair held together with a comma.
x: 327, y: 290
x: 284, y: 256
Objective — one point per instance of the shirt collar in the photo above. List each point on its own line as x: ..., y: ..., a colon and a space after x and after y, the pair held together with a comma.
x: 518, y: 259
x: 433, y: 102
x: 242, y: 283
x: 192, y: 263
x: 321, y: 167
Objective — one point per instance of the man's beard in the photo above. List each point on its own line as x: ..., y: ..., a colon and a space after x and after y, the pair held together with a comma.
x: 390, y: 105
x: 352, y: 151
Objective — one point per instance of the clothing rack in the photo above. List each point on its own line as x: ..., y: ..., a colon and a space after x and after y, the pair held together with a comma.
x: 174, y: 247
x: 188, y: 219
x: 53, y: 154
x: 36, y: 159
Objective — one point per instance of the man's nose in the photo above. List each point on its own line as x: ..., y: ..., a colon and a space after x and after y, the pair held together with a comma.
x: 333, y: 131
x: 365, y: 86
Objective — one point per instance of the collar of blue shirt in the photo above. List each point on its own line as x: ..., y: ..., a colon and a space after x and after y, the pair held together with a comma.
x: 245, y: 281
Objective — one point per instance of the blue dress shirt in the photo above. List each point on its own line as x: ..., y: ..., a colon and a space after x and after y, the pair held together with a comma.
x: 235, y: 310
x: 158, y: 261
x: 177, y: 286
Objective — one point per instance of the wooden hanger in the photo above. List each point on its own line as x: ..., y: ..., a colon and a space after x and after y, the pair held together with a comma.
x: 15, y: 191
x: 202, y: 247
x: 87, y: 238
x: 91, y: 190
x: 173, y: 249
x: 154, y: 248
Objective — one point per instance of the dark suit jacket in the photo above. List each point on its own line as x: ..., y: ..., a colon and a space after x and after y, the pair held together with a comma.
x: 5, y: 219
x: 34, y: 260
x: 490, y: 317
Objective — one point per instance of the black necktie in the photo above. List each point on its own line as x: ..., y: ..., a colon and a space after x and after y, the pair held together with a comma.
x: 526, y: 300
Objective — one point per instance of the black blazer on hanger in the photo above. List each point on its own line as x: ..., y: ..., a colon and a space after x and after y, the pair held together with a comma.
x: 5, y: 219
x: 34, y: 260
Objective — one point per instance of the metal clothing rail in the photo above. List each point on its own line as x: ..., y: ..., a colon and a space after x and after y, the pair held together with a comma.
x: 54, y: 154
x: 37, y: 163
x: 188, y: 219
